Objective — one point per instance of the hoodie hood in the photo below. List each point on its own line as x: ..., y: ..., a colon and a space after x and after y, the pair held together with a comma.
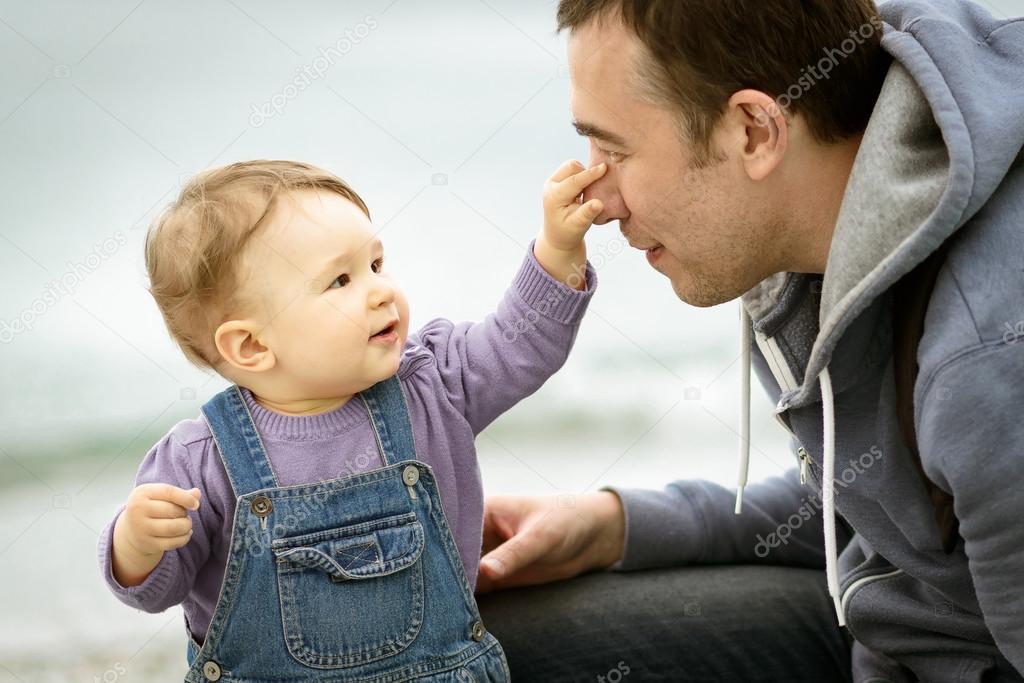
x: 939, y: 143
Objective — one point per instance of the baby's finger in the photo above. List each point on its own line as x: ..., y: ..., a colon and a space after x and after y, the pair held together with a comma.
x: 173, y: 494
x: 585, y: 215
x: 567, y: 169
x: 173, y: 543
x: 161, y: 509
x: 571, y: 187
x: 169, y: 528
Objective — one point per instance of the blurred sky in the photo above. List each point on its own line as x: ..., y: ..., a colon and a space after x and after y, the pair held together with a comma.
x: 446, y: 117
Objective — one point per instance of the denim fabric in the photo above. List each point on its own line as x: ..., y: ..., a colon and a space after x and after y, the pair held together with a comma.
x: 352, y: 579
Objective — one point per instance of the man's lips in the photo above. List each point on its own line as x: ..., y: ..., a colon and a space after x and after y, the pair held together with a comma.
x: 639, y: 245
x: 654, y: 253
x: 653, y: 249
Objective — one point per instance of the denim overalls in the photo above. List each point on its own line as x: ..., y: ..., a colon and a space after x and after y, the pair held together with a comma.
x: 352, y: 579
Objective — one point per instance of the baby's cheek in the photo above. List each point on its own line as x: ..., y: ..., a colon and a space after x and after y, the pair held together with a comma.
x: 403, y: 316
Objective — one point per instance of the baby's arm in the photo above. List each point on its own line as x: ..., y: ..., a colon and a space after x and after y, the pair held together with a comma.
x: 488, y: 367
x: 560, y: 248
x: 155, y: 520
x: 152, y: 550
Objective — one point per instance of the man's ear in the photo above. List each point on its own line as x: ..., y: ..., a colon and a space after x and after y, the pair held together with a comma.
x: 763, y: 129
x: 239, y: 345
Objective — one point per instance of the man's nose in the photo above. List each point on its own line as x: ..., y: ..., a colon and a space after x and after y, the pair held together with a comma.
x: 606, y: 189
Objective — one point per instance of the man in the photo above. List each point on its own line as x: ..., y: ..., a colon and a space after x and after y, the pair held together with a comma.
x: 857, y: 179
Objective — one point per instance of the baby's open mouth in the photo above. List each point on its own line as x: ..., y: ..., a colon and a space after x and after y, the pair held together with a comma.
x: 386, y: 333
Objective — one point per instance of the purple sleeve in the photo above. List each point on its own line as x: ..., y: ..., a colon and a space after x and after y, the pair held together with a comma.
x: 488, y: 367
x: 169, y: 583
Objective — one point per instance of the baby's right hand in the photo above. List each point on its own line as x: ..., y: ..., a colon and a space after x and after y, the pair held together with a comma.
x: 155, y: 518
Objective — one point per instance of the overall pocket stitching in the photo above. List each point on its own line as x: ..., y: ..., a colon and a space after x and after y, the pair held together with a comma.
x: 359, y: 529
x: 406, y: 568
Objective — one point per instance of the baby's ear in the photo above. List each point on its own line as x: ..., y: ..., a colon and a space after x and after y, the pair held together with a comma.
x: 239, y: 346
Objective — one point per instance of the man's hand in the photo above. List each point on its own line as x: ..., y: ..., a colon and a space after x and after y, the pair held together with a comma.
x: 560, y: 248
x: 530, y: 540
x: 155, y: 519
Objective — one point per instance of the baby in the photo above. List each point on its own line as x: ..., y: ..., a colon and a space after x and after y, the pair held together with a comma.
x: 322, y: 518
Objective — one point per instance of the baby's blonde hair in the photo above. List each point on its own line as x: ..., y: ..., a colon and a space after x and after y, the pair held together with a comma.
x: 194, y: 248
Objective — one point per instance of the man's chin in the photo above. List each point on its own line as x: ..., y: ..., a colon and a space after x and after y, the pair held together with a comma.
x: 696, y: 293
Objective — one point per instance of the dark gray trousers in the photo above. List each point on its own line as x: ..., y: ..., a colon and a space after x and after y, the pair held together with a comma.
x: 710, y: 623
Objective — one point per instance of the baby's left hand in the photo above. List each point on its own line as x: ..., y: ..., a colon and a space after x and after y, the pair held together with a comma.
x: 566, y: 221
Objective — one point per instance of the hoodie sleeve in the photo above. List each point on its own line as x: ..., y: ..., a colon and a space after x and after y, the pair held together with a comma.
x: 489, y: 366
x: 693, y: 522
x: 971, y: 438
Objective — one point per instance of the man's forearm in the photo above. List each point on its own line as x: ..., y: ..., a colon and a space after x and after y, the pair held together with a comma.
x: 692, y: 522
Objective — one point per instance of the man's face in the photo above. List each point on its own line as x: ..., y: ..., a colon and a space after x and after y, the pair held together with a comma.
x: 703, y: 228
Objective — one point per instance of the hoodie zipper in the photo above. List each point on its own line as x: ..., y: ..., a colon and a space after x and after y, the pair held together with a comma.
x: 801, y: 453
x: 787, y: 382
x: 776, y: 361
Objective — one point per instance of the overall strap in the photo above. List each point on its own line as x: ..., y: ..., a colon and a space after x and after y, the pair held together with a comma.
x: 239, y: 443
x: 390, y: 418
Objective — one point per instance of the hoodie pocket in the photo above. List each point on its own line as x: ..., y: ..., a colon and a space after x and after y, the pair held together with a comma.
x: 855, y: 586
x: 351, y: 595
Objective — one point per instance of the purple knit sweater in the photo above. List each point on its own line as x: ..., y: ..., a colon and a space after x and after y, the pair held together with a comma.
x: 457, y: 378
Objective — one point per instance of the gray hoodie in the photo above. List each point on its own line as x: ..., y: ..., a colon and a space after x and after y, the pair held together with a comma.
x: 941, y: 158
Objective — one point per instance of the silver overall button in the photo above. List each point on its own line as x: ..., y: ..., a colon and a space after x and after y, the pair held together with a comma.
x: 479, y: 631
x: 411, y: 475
x: 261, y: 506
x: 212, y: 671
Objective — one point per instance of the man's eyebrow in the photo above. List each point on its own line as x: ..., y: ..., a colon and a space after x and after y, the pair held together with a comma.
x: 589, y: 130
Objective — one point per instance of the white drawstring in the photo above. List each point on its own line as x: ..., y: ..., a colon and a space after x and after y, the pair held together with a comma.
x: 829, y: 458
x: 744, y: 406
x: 828, y: 477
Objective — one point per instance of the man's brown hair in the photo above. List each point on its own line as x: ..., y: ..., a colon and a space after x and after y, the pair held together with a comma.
x: 818, y: 58
x: 195, y: 247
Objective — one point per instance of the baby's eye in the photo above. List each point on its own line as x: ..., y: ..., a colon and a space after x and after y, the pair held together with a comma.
x: 377, y: 265
x: 340, y: 281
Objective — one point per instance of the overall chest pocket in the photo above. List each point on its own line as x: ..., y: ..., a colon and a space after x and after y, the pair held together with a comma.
x: 351, y: 595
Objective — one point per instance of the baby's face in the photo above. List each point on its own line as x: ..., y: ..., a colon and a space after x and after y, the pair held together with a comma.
x: 335, y: 319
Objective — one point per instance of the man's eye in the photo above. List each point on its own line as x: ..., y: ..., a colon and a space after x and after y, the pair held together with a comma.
x: 612, y: 156
x: 340, y: 281
x: 377, y: 265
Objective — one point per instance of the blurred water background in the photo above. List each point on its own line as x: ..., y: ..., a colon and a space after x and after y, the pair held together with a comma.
x: 445, y: 116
